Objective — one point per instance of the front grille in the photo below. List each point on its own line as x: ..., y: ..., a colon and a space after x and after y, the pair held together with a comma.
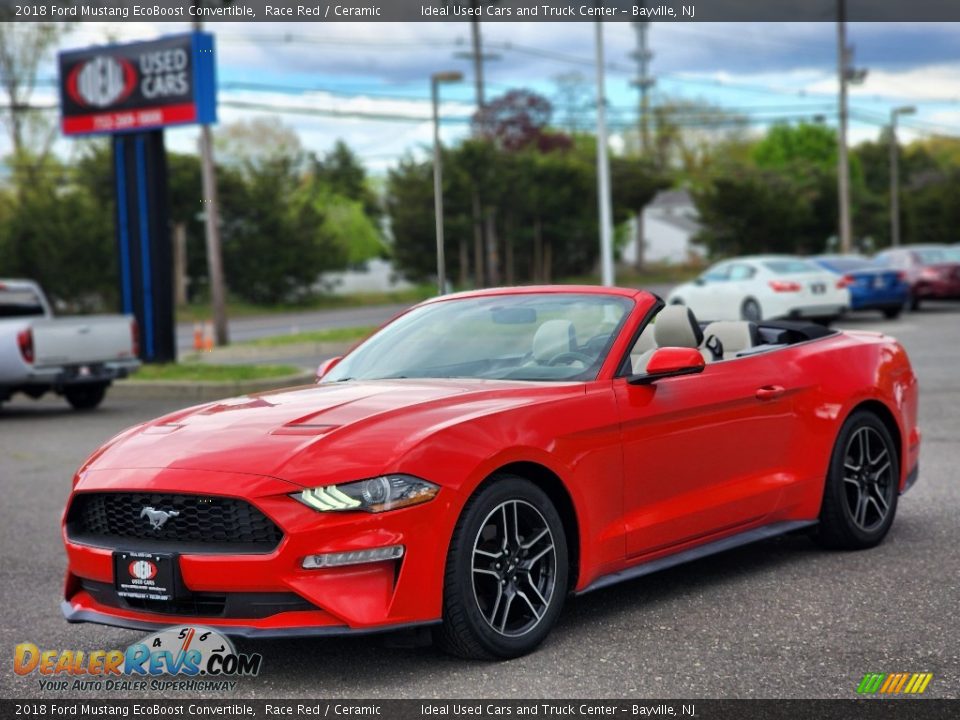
x: 203, y: 604
x: 202, y: 523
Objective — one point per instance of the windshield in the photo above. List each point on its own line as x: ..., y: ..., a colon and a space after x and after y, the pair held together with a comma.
x: 18, y: 302
x: 931, y: 256
x: 547, y: 336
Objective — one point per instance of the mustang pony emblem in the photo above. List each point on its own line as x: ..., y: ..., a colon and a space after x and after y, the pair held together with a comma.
x: 158, y: 518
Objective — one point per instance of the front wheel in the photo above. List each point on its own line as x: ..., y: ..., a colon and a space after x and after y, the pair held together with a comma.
x: 85, y: 397
x: 506, y: 573
x: 860, y: 495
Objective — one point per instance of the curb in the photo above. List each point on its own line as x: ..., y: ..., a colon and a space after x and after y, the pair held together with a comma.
x: 202, y: 391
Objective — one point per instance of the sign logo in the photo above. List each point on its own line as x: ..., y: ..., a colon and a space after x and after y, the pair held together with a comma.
x: 143, y: 569
x: 894, y: 683
x: 158, y: 518
x: 203, y: 659
x: 102, y: 81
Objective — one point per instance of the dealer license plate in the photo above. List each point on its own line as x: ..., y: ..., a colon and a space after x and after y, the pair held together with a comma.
x: 144, y: 575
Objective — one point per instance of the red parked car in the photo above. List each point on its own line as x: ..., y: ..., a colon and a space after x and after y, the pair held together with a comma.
x: 933, y: 271
x: 485, y: 455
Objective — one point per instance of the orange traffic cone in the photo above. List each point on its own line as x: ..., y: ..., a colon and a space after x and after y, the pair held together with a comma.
x: 197, y: 337
x: 208, y: 337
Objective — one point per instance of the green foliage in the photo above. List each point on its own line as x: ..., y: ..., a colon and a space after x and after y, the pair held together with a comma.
x: 786, y: 145
x: 541, y: 205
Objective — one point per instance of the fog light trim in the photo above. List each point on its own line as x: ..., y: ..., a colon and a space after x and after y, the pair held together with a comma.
x: 352, y: 557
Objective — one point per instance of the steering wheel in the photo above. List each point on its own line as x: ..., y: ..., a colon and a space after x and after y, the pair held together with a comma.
x: 566, y: 358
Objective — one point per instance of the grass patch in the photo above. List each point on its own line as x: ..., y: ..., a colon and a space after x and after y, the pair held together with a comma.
x: 238, y: 308
x: 346, y: 334
x: 202, y: 372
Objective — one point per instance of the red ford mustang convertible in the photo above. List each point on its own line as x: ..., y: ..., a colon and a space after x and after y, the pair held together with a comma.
x: 483, y: 456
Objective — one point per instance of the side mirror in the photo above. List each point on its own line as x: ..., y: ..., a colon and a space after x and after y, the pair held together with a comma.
x: 700, y: 281
x: 327, y: 365
x: 670, y: 362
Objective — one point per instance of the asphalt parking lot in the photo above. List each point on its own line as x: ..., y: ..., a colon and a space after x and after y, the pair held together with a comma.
x: 777, y: 619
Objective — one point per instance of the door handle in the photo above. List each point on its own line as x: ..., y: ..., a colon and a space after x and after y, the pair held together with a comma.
x: 770, y: 392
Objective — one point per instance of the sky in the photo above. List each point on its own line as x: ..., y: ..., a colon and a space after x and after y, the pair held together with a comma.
x: 765, y: 71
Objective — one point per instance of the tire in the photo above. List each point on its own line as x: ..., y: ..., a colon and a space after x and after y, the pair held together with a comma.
x: 852, y: 515
x: 892, y: 313
x: 478, y: 623
x: 750, y: 310
x: 914, y: 302
x: 85, y: 397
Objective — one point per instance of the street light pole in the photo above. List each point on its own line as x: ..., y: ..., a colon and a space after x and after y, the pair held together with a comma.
x: 843, y: 167
x: 603, y: 169
x: 895, y: 173
x: 435, y: 81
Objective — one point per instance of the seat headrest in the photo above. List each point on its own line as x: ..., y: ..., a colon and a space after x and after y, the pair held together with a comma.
x: 733, y: 335
x: 676, y: 326
x: 552, y: 338
x: 645, y: 341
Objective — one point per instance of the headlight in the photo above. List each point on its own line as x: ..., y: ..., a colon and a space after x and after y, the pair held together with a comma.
x: 387, y: 492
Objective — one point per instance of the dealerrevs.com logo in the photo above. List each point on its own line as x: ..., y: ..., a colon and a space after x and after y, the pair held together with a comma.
x: 201, y: 659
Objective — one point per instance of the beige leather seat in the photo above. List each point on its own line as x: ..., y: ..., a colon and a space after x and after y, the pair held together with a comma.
x: 674, y: 326
x: 552, y: 338
x: 725, y: 338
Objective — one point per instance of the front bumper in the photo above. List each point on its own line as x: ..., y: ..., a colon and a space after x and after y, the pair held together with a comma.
x: 371, y: 597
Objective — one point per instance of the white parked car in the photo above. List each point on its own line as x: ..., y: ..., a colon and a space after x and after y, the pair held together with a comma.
x: 764, y: 287
x: 75, y: 357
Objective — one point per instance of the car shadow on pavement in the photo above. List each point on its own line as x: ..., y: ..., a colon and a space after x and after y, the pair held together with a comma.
x: 375, y: 658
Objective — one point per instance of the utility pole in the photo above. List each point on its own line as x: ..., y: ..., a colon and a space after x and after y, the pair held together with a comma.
x: 482, y: 245
x: 603, y: 168
x: 211, y: 207
x: 846, y: 74
x: 643, y: 55
x: 895, y: 173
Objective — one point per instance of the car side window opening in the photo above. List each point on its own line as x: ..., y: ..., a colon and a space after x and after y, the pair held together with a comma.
x: 718, y: 273
x: 740, y: 271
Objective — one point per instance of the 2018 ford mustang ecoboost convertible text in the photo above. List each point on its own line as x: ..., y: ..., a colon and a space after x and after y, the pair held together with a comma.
x: 483, y: 456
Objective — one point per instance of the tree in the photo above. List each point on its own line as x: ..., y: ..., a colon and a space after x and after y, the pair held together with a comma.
x: 514, y: 120
x: 23, y: 46
x: 804, y: 143
x: 343, y: 173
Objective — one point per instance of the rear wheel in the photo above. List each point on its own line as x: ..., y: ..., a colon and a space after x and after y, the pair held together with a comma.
x: 892, y: 313
x: 750, y: 310
x: 860, y: 495
x: 85, y: 397
x: 506, y: 575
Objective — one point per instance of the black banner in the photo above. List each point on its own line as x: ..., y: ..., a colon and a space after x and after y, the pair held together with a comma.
x: 485, y: 10
x: 80, y: 709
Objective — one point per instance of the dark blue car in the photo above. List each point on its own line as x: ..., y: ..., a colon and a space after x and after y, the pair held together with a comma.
x: 873, y: 285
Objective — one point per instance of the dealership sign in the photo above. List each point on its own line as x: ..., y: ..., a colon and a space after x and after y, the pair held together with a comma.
x: 138, y: 86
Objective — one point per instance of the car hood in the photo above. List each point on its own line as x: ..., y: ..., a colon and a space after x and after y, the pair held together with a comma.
x: 333, y: 432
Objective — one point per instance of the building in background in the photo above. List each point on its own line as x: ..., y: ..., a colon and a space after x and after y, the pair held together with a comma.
x: 670, y: 222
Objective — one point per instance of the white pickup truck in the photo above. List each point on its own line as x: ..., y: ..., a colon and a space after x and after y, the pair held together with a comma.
x: 75, y: 357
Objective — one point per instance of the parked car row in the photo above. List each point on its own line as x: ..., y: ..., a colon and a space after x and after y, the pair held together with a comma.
x: 823, y: 287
